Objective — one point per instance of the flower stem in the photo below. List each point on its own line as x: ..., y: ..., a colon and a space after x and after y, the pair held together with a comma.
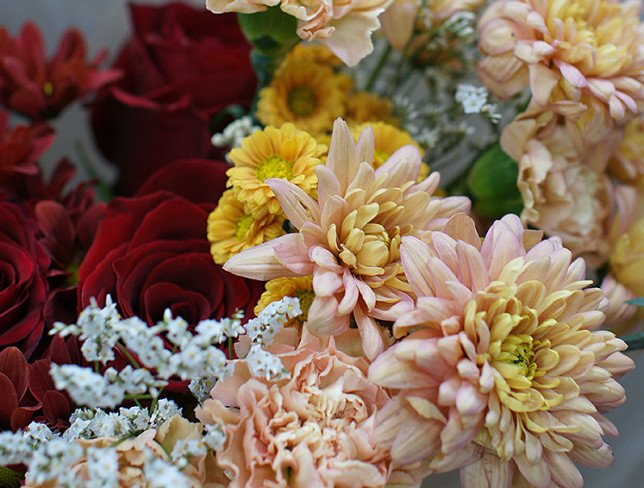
x: 128, y: 355
x: 634, y: 341
x: 376, y: 71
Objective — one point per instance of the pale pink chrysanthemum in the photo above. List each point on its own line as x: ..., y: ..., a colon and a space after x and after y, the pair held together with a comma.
x: 504, y: 373
x: 344, y: 26
x: 349, y: 239
x: 581, y: 58
x: 314, y: 430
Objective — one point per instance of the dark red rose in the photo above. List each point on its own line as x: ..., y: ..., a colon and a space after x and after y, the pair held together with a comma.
x: 41, y: 88
x: 23, y: 280
x: 181, y: 66
x: 151, y: 253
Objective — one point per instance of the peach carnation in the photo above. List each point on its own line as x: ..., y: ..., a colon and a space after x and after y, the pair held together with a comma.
x: 561, y: 180
x: 315, y: 429
x: 349, y: 238
x: 581, y: 58
x: 345, y: 27
x: 504, y: 372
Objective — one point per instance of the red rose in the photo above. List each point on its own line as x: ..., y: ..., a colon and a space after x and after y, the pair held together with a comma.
x: 23, y: 280
x: 181, y: 66
x: 151, y: 253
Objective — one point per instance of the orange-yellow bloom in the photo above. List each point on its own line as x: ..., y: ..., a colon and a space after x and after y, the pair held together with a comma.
x: 349, y: 238
x: 504, y: 373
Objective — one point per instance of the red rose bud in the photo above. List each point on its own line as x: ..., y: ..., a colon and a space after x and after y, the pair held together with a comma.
x: 181, y: 66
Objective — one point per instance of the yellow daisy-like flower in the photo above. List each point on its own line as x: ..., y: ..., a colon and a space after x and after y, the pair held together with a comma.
x: 315, y: 53
x: 627, y: 163
x: 387, y: 140
x: 231, y: 228
x: 369, y: 107
x: 300, y: 287
x: 306, y: 93
x: 627, y: 259
x: 286, y: 153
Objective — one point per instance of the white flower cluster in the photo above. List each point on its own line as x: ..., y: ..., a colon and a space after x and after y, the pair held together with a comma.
x: 235, y: 132
x: 190, y: 356
x: 162, y: 474
x: 108, y: 390
x: 263, y: 329
x: 102, y: 468
x: 476, y: 100
x: 91, y: 423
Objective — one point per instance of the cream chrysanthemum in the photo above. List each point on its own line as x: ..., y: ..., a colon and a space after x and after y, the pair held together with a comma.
x: 308, y: 94
x: 286, y: 153
x: 581, y: 58
x: 349, y: 238
x: 504, y: 373
x: 232, y: 228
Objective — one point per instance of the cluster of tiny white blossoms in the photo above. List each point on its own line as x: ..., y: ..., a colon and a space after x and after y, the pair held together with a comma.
x: 476, y: 100
x: 235, y: 132
x: 262, y: 330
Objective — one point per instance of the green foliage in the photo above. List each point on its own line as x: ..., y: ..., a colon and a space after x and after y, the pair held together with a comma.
x: 492, y: 184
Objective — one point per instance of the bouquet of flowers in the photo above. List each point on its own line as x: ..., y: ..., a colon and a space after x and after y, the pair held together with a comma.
x: 349, y: 244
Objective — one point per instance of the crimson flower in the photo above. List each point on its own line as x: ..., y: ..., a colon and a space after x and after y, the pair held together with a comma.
x: 41, y: 88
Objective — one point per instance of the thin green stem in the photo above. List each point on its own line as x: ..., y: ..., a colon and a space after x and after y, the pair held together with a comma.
x: 376, y: 71
x: 230, y: 348
x: 634, y: 341
x: 128, y: 355
x: 142, y: 396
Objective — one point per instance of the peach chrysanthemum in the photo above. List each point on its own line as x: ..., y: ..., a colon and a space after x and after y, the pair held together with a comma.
x: 627, y: 163
x: 562, y: 192
x: 349, y: 238
x: 368, y: 107
x: 344, y: 26
x: 581, y: 58
x: 232, y: 228
x: 287, y: 153
x: 308, y: 94
x: 504, y: 373
x: 132, y: 454
x: 312, y: 430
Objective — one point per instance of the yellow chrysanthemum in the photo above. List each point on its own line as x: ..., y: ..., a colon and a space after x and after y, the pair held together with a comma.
x: 387, y: 140
x: 300, y: 287
x: 287, y: 153
x: 315, y: 53
x: 627, y: 163
x: 627, y: 259
x: 231, y: 228
x: 369, y: 107
x: 306, y: 93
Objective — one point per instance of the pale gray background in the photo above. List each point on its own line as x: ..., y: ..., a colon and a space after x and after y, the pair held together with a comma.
x: 105, y: 24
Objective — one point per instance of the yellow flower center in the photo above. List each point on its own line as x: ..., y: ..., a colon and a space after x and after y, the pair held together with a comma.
x: 242, y: 226
x: 302, y: 101
x: 48, y: 88
x: 274, y: 167
x: 306, y: 299
x: 379, y: 158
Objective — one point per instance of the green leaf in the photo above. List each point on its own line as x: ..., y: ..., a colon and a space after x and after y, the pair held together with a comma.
x: 492, y: 184
x: 638, y: 302
x: 634, y: 341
